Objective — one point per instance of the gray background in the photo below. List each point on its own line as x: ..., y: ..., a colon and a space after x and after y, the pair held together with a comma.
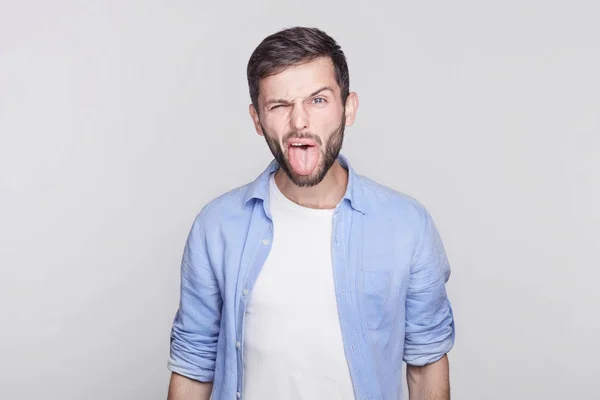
x: 119, y: 120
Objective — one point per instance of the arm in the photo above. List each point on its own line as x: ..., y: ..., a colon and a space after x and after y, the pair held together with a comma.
x: 196, y: 326
x: 182, y: 388
x: 429, y: 325
x: 429, y: 382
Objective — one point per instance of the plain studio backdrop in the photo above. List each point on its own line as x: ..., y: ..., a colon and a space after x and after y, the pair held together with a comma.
x: 119, y: 120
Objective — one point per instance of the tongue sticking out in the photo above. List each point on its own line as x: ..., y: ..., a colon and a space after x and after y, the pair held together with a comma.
x: 303, y: 160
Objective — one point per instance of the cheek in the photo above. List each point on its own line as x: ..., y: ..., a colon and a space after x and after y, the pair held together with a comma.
x: 276, y: 126
x: 326, y: 121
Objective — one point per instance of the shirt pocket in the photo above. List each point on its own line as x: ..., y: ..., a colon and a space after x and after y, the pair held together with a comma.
x: 376, y: 294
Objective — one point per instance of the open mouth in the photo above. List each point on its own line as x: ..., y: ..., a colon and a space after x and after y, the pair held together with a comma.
x: 303, y: 155
x: 301, y: 146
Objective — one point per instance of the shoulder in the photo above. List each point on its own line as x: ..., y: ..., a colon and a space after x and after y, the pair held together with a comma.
x: 227, y: 206
x: 381, y: 199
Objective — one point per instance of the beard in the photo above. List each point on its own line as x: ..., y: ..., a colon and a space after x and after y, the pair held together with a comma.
x: 328, y: 154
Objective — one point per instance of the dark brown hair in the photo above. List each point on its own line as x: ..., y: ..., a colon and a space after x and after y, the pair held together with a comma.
x: 295, y: 46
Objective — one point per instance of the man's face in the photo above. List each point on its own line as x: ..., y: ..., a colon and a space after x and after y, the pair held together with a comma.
x: 302, y: 117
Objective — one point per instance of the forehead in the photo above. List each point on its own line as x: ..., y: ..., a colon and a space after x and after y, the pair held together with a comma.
x: 299, y: 80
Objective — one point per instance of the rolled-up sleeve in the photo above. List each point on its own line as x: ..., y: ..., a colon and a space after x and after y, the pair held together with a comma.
x: 196, y: 324
x: 429, y: 330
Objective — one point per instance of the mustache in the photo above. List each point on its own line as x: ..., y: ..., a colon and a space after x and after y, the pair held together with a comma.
x: 302, y: 135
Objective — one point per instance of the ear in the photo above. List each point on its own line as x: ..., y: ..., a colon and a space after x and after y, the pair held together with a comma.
x: 351, y: 108
x: 255, y: 120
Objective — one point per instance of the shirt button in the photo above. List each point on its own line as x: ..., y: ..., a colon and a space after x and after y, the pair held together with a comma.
x: 265, y: 242
x: 238, y: 395
x: 245, y: 292
x: 237, y: 345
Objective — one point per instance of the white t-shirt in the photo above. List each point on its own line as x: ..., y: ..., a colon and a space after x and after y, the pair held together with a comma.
x: 293, y: 346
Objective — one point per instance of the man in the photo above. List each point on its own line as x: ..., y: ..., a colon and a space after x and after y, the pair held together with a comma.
x: 312, y: 282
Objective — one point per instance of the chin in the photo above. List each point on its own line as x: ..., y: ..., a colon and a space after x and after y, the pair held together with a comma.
x: 312, y: 179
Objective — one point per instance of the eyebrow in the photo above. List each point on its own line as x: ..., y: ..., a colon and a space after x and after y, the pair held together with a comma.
x: 283, y: 101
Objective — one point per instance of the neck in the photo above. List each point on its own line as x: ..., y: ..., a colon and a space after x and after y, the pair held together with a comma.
x: 325, y: 195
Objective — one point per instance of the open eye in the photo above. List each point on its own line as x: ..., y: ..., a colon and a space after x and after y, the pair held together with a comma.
x: 319, y: 100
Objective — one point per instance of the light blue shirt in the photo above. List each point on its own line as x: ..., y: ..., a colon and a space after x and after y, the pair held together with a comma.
x: 389, y: 267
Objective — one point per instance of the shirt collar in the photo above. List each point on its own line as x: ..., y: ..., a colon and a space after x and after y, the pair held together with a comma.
x: 259, y: 188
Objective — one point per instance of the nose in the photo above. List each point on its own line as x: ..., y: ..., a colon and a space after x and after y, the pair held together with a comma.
x: 299, y: 118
